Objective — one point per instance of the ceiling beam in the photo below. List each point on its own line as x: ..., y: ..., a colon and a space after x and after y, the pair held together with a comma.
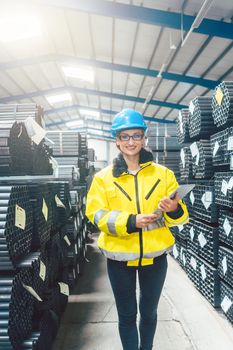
x: 90, y: 92
x: 101, y: 110
x: 66, y: 59
x: 144, y: 15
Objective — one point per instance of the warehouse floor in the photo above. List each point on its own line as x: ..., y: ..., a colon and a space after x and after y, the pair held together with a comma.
x: 186, y: 320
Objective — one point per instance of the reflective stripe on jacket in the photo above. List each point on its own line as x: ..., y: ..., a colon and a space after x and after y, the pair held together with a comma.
x: 111, y: 200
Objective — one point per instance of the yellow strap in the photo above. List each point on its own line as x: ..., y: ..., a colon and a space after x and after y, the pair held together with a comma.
x: 145, y: 261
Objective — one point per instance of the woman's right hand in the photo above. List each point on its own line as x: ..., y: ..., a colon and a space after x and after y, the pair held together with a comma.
x: 143, y: 220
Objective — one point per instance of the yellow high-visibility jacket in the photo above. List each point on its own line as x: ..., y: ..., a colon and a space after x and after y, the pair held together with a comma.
x: 112, y: 199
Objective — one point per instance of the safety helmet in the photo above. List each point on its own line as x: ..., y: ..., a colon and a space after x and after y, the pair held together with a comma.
x: 127, y: 119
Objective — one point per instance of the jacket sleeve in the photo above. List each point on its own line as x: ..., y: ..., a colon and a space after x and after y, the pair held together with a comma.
x: 112, y: 222
x: 171, y: 220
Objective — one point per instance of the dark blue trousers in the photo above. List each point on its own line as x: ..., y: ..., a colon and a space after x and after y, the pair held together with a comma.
x: 123, y: 281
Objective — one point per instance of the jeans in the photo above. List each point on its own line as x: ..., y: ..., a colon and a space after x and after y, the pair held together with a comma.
x: 123, y: 281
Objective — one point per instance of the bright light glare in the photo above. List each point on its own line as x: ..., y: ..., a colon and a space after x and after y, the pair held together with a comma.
x: 19, y: 27
x: 74, y: 123
x: 89, y: 112
x: 82, y: 73
x: 52, y: 99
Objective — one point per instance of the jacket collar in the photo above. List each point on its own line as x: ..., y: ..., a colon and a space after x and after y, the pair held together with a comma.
x: 120, y: 166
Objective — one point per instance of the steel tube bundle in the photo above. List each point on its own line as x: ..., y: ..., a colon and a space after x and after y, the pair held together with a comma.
x: 201, y: 124
x: 223, y: 186
x: 182, y: 126
x: 202, y: 159
x: 222, y: 104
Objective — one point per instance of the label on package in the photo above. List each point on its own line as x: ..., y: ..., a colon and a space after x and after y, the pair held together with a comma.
x: 230, y: 143
x: 194, y: 149
x: 224, y: 187
x: 203, y: 272
x: 59, y: 202
x: 202, y: 240
x: 175, y: 251
x: 45, y: 210
x: 42, y: 272
x: 32, y: 291
x: 64, y: 288
x: 219, y: 96
x: 216, y: 148
x: 193, y: 263
x: 192, y: 233
x: 192, y: 198
x: 67, y: 240
x: 224, y: 265
x: 226, y: 304
x: 191, y: 107
x: 20, y: 217
x: 227, y: 226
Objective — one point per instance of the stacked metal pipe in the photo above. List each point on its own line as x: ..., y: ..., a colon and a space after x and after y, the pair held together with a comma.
x: 201, y: 124
x: 223, y: 185
x: 182, y: 126
x: 226, y: 227
x: 185, y: 164
x: 222, y: 147
x: 203, y: 240
x: 201, y: 202
x: 222, y: 104
x: 205, y: 277
x: 201, y: 159
x: 16, y: 225
x: 227, y: 300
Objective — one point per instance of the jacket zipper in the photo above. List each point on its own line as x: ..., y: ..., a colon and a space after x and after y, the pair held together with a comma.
x: 139, y: 212
x: 152, y: 189
x: 123, y: 191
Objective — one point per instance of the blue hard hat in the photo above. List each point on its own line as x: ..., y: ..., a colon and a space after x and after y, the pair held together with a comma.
x: 127, y: 119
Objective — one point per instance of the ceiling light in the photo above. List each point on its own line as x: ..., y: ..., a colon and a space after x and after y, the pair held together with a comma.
x: 82, y: 73
x: 52, y: 99
x: 75, y: 123
x: 19, y: 27
x: 89, y: 112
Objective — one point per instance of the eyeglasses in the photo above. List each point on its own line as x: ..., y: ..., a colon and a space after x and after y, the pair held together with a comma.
x: 126, y: 137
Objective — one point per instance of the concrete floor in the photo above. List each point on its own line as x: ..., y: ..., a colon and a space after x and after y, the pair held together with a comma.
x: 186, y: 320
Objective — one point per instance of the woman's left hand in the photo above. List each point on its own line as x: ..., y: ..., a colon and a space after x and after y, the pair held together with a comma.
x: 167, y: 204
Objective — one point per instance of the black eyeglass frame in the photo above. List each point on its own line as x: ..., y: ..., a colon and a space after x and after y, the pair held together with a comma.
x: 128, y: 137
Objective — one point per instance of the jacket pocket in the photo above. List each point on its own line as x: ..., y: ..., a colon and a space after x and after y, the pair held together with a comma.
x: 123, y: 191
x: 152, y: 189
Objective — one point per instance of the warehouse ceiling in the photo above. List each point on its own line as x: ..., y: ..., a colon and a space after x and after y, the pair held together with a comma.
x: 99, y: 56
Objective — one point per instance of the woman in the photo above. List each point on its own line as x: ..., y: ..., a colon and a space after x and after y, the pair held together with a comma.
x: 121, y: 202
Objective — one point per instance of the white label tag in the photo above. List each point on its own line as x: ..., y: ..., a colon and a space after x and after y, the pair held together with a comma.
x: 224, y: 265
x: 227, y: 226
x: 224, y: 187
x: 202, y: 240
x: 20, y: 217
x: 182, y: 157
x: 59, y: 202
x: 226, y: 304
x: 32, y: 291
x: 216, y: 148
x: 45, y: 210
x: 194, y: 149
x: 197, y: 158
x: 192, y: 233
x: 230, y: 143
x: 205, y: 202
x: 180, y: 227
x: 203, y: 273
x: 193, y: 263
x: 191, y: 107
x: 208, y: 196
x: 175, y: 251
x: 219, y: 96
x: 192, y: 198
x: 184, y: 260
x: 76, y: 248
x: 34, y: 130
x: 230, y: 184
x: 42, y: 272
x: 231, y: 162
x: 67, y: 240
x: 64, y: 288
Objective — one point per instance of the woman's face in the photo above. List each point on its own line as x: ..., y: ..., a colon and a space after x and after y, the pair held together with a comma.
x: 131, y: 141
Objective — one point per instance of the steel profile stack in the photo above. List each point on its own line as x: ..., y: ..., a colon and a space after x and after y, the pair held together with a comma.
x: 222, y: 147
x: 203, y: 240
x: 227, y: 300
x: 202, y: 203
x: 185, y: 164
x: 201, y: 124
x: 223, y: 183
x: 201, y: 159
x: 222, y: 104
x: 182, y: 126
x: 16, y: 225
